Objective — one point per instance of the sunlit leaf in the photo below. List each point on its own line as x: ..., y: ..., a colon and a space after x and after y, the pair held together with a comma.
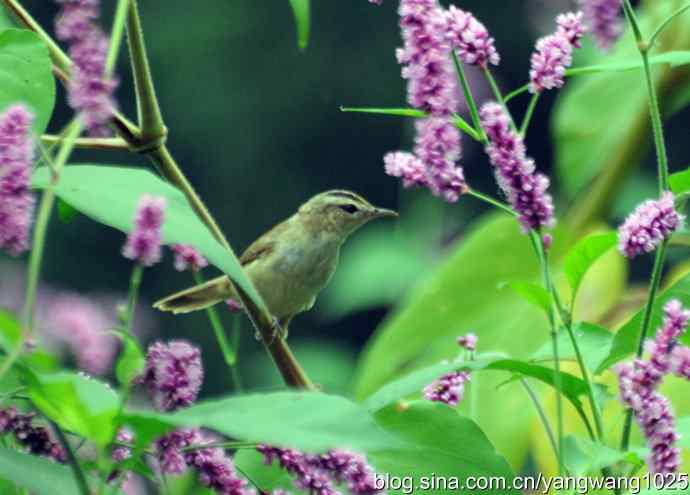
x: 594, y: 343
x: 532, y: 293
x: 301, y: 10
x: 583, y: 255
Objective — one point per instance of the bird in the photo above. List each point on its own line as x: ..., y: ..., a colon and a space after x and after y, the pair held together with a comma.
x: 291, y: 263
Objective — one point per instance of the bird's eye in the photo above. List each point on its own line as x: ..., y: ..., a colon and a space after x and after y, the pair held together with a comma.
x: 351, y: 209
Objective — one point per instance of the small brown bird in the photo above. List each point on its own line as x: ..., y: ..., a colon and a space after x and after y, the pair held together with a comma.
x: 291, y: 263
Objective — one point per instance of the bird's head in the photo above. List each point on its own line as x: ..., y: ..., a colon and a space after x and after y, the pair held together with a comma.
x: 340, y: 212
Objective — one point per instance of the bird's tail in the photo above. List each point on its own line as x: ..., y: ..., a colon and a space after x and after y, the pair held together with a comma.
x: 198, y: 297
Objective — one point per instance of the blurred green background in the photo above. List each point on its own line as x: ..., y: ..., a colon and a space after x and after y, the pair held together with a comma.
x: 255, y: 124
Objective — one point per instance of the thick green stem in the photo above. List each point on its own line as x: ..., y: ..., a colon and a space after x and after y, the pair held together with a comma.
x: 112, y: 144
x: 153, y: 129
x: 77, y: 470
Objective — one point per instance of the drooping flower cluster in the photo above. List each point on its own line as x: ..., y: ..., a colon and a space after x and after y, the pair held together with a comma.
x: 515, y: 173
x: 554, y: 53
x: 652, y: 222
x: 603, y: 17
x: 36, y: 439
x: 432, y: 87
x: 450, y: 388
x: 173, y: 374
x: 16, y: 200
x: 187, y: 257
x: 319, y: 474
x: 90, y: 91
x: 169, y: 453
x: 470, y: 38
x: 639, y: 381
x: 144, y: 242
x: 84, y: 327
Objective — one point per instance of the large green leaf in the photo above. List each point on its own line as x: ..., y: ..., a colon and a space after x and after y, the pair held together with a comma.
x: 626, y: 339
x: 583, y: 255
x: 586, y: 142
x: 26, y: 75
x: 77, y: 403
x: 110, y: 196
x: 301, y: 9
x: 37, y: 474
x: 308, y: 421
x: 442, y: 446
x: 573, y: 387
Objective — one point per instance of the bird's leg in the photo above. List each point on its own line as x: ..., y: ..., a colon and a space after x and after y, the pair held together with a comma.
x: 279, y: 329
x: 284, y: 324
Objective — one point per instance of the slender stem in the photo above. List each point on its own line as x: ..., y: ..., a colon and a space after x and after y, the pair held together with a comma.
x: 220, y: 445
x: 461, y: 124
x: 657, y: 126
x: 467, y: 90
x: 229, y: 351
x: 663, y: 25
x: 517, y: 92
x: 528, y: 116
x: 116, y: 34
x: 235, y: 334
x: 497, y: 94
x: 493, y: 202
x: 150, y: 117
x: 646, y: 321
x: 40, y: 232
x: 542, y: 415
x: 115, y: 144
x: 77, y: 470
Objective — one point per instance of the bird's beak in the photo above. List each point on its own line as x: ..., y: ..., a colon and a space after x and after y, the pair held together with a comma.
x: 384, y: 213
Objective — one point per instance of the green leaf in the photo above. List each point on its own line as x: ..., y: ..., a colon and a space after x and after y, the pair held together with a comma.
x: 37, y: 474
x: 307, y: 421
x: 532, y: 293
x: 301, y: 10
x: 582, y: 456
x: 10, y: 331
x: 583, y: 255
x: 26, y: 75
x: 110, y: 196
x: 672, y: 58
x: 266, y: 477
x: 594, y: 342
x: 626, y: 339
x: 66, y: 213
x: 680, y: 182
x: 413, y: 383
x: 77, y: 403
x: 398, y: 112
x: 131, y: 362
x: 440, y: 444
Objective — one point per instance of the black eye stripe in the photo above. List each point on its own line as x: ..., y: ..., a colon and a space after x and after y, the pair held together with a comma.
x: 351, y: 209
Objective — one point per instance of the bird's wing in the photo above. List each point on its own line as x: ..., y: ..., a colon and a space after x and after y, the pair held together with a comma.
x: 263, y: 246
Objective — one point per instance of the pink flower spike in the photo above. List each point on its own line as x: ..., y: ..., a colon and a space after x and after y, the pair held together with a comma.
x: 570, y: 25
x: 652, y: 222
x: 144, y: 242
x: 449, y: 389
x: 173, y: 374
x: 472, y: 40
x: 604, y: 20
x: 17, y: 202
x: 187, y: 257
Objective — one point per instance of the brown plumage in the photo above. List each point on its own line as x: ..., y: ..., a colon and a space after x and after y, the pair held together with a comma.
x: 292, y: 262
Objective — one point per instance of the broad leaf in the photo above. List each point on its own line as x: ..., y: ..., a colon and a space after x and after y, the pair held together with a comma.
x: 532, y: 293
x: 440, y: 445
x: 307, y: 421
x: 583, y: 255
x: 37, y: 474
x: 594, y: 343
x: 582, y: 456
x: 77, y: 403
x: 301, y: 10
x: 131, y: 361
x: 266, y: 477
x: 680, y: 182
x: 626, y: 339
x: 26, y: 75
x: 573, y: 387
x: 10, y: 331
x: 110, y: 196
